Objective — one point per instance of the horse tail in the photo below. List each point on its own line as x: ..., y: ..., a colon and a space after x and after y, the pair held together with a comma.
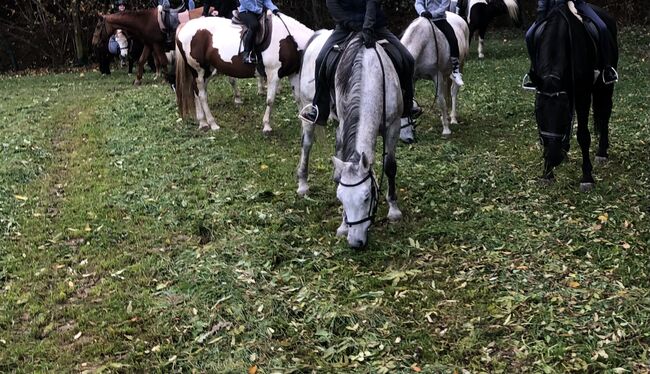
x: 513, y: 10
x: 184, y: 84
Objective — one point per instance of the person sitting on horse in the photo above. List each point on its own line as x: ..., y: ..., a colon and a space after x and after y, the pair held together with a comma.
x: 367, y: 17
x: 221, y: 8
x: 435, y: 11
x: 249, y: 12
x: 607, y: 71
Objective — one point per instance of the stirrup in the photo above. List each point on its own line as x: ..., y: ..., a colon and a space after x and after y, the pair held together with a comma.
x: 306, y: 108
x: 615, y: 76
x: 527, y: 84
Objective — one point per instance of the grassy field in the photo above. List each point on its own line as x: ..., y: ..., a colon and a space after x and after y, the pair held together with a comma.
x: 132, y: 242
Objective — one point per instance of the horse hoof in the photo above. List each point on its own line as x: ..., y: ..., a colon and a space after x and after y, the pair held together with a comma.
x: 239, y: 101
x: 586, y: 187
x: 454, y: 121
x: 546, y: 181
x: 215, y: 128
x: 481, y: 55
x: 407, y: 140
x: 394, y: 215
x: 137, y: 82
x: 302, y: 190
x: 204, y: 128
x: 266, y: 132
x: 601, y: 160
x: 446, y: 134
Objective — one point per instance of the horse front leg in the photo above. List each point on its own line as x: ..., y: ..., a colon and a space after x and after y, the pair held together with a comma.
x: 584, y: 139
x: 208, y: 120
x: 162, y: 61
x: 307, y: 139
x: 271, y: 91
x: 146, y: 50
x: 602, y: 112
x: 235, y: 91
x: 390, y: 169
x: 442, y: 92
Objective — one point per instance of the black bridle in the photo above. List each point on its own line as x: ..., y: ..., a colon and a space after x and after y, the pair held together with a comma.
x: 374, y: 191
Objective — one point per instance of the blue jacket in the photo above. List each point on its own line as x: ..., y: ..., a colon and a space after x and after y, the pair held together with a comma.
x: 256, y: 6
x: 437, y: 8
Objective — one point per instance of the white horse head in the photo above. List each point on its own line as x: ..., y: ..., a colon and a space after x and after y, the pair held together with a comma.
x: 368, y: 101
x: 430, y: 49
x: 211, y: 45
x: 123, y: 42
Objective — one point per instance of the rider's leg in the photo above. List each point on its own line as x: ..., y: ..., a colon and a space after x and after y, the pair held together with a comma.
x: 604, y: 42
x: 449, y: 33
x: 320, y: 108
x: 405, y: 73
x: 250, y: 20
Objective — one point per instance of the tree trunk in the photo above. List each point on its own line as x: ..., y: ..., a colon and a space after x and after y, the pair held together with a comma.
x: 79, y: 46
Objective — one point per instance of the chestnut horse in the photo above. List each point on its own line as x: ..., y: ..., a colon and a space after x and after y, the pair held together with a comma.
x: 142, y: 25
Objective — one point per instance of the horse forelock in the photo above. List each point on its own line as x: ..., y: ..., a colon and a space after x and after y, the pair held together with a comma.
x: 348, y: 84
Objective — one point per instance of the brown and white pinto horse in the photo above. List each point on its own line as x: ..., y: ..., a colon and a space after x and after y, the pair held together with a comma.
x: 142, y: 25
x: 209, y: 46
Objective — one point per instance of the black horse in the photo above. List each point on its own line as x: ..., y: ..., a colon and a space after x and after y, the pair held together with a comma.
x: 565, y: 62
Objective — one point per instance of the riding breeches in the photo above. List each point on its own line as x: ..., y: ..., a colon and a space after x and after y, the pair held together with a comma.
x: 250, y: 20
x: 323, y: 82
x: 449, y: 33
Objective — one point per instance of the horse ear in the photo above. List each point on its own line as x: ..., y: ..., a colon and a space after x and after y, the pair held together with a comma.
x: 364, y: 163
x: 339, y: 166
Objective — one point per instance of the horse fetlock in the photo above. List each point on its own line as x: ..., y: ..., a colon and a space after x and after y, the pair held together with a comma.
x: 600, y: 160
x: 587, y: 187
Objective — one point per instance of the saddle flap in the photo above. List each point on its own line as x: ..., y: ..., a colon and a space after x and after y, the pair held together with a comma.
x: 263, y: 37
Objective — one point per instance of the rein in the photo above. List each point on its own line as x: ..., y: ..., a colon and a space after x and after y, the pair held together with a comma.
x: 285, y: 25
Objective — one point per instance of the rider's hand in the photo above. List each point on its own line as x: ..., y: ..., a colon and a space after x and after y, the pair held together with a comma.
x: 276, y: 11
x: 368, y: 38
x: 426, y: 14
x: 353, y: 26
x: 215, y: 13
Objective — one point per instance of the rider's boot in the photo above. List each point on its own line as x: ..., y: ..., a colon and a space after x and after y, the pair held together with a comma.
x: 456, y: 76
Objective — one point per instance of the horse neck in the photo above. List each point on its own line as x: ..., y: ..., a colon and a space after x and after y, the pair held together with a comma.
x: 301, y: 33
x: 360, y: 133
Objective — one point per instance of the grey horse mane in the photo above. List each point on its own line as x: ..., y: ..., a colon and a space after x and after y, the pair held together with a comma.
x: 348, y: 82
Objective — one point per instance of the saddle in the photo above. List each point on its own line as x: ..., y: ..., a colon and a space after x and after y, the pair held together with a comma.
x: 263, y: 37
x: 333, y: 56
x: 169, y: 19
x: 590, y: 27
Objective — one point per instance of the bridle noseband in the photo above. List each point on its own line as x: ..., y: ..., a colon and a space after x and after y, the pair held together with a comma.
x: 373, y: 198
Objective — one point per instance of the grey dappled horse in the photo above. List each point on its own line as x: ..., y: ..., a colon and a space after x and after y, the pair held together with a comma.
x: 430, y: 50
x: 368, y: 103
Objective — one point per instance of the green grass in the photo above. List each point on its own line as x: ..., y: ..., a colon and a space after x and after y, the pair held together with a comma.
x: 132, y: 242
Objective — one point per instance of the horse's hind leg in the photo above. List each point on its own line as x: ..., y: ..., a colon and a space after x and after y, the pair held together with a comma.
x: 390, y: 168
x: 584, y: 139
x: 481, y: 41
x: 261, y: 81
x: 208, y: 120
x: 302, y: 173
x: 454, y: 103
x: 602, y: 112
x: 271, y: 90
x: 235, y: 91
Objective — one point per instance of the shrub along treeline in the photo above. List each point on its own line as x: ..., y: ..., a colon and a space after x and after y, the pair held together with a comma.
x: 58, y: 33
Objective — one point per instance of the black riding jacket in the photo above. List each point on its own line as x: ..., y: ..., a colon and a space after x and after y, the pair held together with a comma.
x: 357, y: 14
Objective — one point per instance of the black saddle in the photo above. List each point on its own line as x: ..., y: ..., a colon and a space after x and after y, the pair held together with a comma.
x: 589, y: 25
x: 263, y: 37
x: 169, y: 18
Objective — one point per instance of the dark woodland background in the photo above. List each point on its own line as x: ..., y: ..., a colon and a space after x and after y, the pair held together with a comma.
x: 57, y: 33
